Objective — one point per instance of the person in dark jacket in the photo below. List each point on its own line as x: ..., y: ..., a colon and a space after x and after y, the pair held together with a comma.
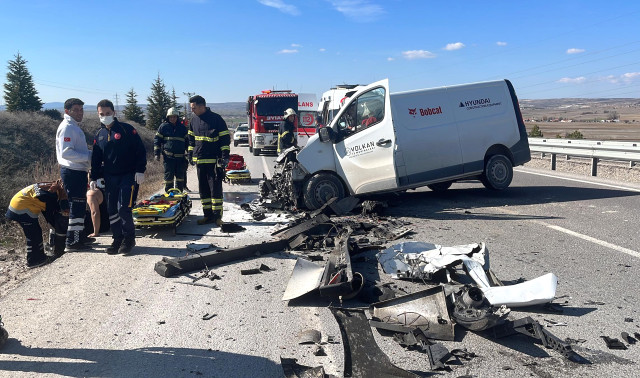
x: 209, y: 149
x: 286, y: 131
x: 171, y: 140
x: 120, y: 157
x: 50, y: 200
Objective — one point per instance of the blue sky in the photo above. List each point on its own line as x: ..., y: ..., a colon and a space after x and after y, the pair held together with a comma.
x: 228, y: 50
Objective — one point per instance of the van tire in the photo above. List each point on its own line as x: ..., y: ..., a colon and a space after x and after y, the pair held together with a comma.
x: 498, y: 173
x: 256, y: 151
x: 320, y: 188
x: 440, y: 186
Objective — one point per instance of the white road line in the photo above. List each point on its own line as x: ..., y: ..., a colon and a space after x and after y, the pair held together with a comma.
x: 603, y: 243
x: 578, y: 180
x: 266, y: 167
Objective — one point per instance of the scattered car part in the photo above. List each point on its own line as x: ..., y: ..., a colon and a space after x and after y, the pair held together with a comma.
x: 247, y: 272
x: 528, y: 326
x: 613, y: 343
x: 422, y: 260
x: 231, y: 227
x: 309, y: 336
x: 362, y: 355
x: 627, y: 338
x: 306, y: 226
x: 426, y: 309
x: 169, y: 266
x: 472, y: 311
x: 208, y: 316
x: 292, y: 369
x: 197, y: 247
x: 335, y: 279
x: 319, y: 351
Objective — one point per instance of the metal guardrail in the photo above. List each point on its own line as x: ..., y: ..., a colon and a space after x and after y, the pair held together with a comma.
x: 595, y: 150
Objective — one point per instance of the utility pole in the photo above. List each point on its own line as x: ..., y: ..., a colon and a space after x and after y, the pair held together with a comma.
x: 116, y: 101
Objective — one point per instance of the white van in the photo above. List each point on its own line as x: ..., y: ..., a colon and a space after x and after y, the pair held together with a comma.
x: 385, y: 142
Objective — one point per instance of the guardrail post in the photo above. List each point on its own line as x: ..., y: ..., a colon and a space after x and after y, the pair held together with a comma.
x: 553, y: 162
x: 594, y: 166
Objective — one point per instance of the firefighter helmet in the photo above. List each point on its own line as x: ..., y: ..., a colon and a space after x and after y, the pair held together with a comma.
x: 172, y: 112
x: 289, y: 112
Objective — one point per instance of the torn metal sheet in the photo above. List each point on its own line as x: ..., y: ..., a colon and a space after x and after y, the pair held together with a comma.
x: 197, y: 247
x: 306, y: 226
x: 537, y: 291
x: 421, y: 260
x: 344, y: 206
x: 362, y: 355
x: 426, y: 309
x: 613, y: 343
x: 305, y: 278
x: 335, y: 279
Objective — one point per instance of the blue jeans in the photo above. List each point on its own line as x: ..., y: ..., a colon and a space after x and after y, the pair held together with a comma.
x: 75, y: 183
x: 121, y: 192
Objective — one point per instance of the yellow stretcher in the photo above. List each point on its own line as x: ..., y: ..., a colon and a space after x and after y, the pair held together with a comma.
x: 239, y: 176
x: 167, y: 209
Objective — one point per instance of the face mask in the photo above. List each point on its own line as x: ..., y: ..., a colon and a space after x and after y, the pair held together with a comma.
x: 107, y: 120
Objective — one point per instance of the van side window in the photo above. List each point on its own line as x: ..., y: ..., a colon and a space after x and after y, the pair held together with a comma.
x: 366, y: 111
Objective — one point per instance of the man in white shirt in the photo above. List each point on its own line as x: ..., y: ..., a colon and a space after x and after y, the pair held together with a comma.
x: 74, y: 158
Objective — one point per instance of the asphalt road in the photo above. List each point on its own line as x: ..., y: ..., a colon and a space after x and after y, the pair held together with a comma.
x: 91, y: 314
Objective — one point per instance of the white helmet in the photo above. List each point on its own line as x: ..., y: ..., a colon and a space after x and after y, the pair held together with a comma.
x: 289, y: 112
x: 172, y: 112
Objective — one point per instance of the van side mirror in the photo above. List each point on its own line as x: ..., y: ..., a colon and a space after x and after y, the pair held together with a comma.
x: 326, y: 134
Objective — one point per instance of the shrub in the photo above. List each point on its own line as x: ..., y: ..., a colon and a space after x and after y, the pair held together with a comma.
x: 574, y: 135
x: 54, y: 114
x: 535, y: 132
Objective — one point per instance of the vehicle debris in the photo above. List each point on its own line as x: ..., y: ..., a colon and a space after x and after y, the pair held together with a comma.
x: 309, y: 336
x: 169, y: 266
x: 472, y: 310
x: 208, y: 316
x: 426, y: 310
x: 229, y: 227
x: 362, y: 355
x: 627, y: 338
x: 613, y: 343
x: 292, y: 369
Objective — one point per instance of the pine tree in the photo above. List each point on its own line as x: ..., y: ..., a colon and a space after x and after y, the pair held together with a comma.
x: 19, y: 90
x: 132, y: 111
x: 159, y: 102
x: 174, y: 101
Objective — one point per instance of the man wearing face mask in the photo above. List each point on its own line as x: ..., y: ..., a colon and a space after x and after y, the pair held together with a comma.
x: 74, y: 158
x: 120, y: 157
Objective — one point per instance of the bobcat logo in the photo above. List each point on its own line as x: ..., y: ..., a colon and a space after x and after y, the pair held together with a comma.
x: 413, y: 112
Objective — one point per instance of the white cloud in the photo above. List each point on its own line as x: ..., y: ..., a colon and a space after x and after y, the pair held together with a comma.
x: 575, y: 51
x: 389, y: 59
x: 499, y: 43
x: 295, y: 45
x: 358, y: 10
x: 418, y: 54
x: 288, y: 51
x: 454, y: 46
x: 281, y: 6
x: 574, y: 80
x: 629, y: 76
x: 322, y: 49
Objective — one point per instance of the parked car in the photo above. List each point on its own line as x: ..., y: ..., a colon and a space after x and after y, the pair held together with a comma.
x: 241, y: 135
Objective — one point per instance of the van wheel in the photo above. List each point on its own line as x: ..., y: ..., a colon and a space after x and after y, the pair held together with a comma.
x: 498, y: 173
x: 321, y: 188
x: 440, y: 186
x: 256, y: 151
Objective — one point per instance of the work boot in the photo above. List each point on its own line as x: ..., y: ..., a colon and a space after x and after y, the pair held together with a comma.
x: 77, y: 247
x: 114, y: 247
x: 127, y: 246
x: 207, y: 220
x: 39, y: 263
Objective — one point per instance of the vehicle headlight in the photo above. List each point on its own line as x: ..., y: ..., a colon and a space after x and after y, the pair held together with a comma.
x: 260, y: 139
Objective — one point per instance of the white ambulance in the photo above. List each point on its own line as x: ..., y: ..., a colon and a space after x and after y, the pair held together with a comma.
x: 307, y: 113
x: 384, y: 142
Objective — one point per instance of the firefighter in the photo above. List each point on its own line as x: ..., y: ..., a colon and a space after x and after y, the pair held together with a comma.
x: 286, y: 131
x: 50, y: 199
x: 171, y: 139
x: 209, y: 150
x: 120, y: 157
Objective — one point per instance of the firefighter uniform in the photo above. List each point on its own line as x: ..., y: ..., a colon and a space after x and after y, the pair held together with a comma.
x: 209, y: 148
x: 25, y: 207
x: 118, y: 154
x: 286, y: 131
x: 171, y: 140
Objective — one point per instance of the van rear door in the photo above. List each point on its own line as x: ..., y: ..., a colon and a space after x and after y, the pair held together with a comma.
x: 365, y: 143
